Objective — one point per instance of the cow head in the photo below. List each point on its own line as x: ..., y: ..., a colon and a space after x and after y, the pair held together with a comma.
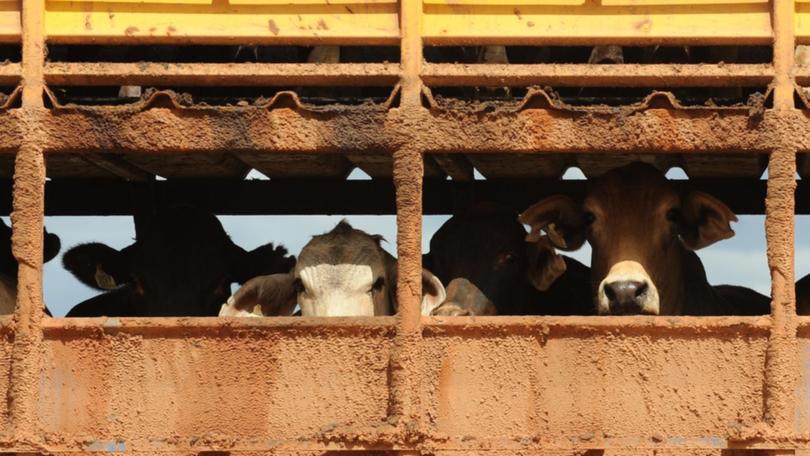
x: 8, y: 264
x: 482, y: 257
x: 344, y: 272
x: 642, y: 232
x: 181, y: 264
x: 9, y: 267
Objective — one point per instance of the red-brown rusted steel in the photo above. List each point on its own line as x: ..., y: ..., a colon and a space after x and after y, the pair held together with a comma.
x: 26, y: 361
x: 222, y: 74
x: 582, y: 75
x: 407, y: 384
x: 782, y: 357
x: 408, y: 171
x: 533, y: 130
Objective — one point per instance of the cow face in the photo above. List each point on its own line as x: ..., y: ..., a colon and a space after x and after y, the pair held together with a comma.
x: 482, y: 256
x: 641, y: 232
x: 344, y: 272
x: 182, y: 264
x: 341, y: 273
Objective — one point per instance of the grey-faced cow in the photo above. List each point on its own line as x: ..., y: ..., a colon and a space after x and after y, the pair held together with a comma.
x: 8, y: 266
x: 344, y: 272
x: 181, y: 264
x: 643, y: 234
x: 490, y: 269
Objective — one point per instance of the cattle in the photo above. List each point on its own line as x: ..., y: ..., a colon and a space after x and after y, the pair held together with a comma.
x: 182, y: 263
x: 803, y: 296
x: 344, y: 272
x: 8, y: 266
x: 489, y: 268
x: 643, y: 234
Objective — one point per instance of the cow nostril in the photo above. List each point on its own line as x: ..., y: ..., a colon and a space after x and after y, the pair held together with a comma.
x: 609, y: 293
x: 626, y: 296
x: 641, y: 289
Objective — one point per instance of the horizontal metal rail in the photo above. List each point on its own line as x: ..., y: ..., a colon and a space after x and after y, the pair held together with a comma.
x: 583, y: 75
x: 257, y: 197
x: 10, y: 74
x: 221, y: 74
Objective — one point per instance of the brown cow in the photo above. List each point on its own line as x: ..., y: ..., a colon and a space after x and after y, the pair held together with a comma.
x: 643, y: 234
x: 344, y: 272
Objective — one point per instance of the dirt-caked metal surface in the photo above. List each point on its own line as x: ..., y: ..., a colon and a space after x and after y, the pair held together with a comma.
x: 404, y: 384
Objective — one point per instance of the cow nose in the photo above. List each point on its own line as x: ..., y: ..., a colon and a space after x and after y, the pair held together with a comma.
x: 626, y: 297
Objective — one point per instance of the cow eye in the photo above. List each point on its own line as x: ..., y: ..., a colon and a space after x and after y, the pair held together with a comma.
x: 509, y: 258
x: 673, y: 214
x: 589, y: 218
x: 378, y: 285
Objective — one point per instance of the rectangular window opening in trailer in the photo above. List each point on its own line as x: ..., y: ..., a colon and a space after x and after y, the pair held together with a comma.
x: 645, y: 234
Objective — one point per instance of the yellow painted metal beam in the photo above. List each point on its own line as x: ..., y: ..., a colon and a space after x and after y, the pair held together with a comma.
x: 449, y: 22
x: 221, y: 22
x: 10, y: 21
x: 802, y: 22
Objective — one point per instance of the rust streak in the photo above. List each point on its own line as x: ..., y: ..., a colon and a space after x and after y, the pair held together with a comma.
x: 271, y: 24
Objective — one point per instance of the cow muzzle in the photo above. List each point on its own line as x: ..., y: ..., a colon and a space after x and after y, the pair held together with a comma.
x: 628, y: 290
x: 464, y: 298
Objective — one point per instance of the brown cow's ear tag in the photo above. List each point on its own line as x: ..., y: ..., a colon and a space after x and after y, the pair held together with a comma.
x: 104, y: 280
x: 545, y: 264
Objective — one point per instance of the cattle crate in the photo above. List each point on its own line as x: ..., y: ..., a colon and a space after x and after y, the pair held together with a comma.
x: 405, y: 384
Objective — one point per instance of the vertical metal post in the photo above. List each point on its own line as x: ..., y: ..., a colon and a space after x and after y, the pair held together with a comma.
x: 408, y: 173
x: 784, y: 43
x: 410, y: 20
x: 781, y: 362
x: 406, y: 359
x: 27, y: 225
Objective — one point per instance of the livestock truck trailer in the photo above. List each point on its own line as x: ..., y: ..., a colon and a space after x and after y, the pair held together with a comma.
x: 100, y: 97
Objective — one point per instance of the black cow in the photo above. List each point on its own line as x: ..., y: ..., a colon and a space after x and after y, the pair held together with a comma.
x: 490, y: 269
x: 8, y: 266
x: 181, y: 264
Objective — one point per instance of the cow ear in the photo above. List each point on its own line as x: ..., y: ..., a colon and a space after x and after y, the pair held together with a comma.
x: 52, y: 246
x: 270, y: 295
x: 561, y: 218
x: 433, y: 292
x: 98, y: 265
x: 264, y: 260
x: 545, y: 264
x: 704, y: 220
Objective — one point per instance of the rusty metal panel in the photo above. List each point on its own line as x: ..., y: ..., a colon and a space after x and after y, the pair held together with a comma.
x: 641, y: 383
x: 163, y: 383
x: 509, y: 383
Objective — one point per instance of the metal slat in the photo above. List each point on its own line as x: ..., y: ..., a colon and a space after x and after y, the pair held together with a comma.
x: 583, y: 75
x: 592, y: 23
x: 221, y: 23
x: 221, y: 74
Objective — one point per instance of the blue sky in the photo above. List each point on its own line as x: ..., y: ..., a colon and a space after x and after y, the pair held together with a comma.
x: 740, y: 260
